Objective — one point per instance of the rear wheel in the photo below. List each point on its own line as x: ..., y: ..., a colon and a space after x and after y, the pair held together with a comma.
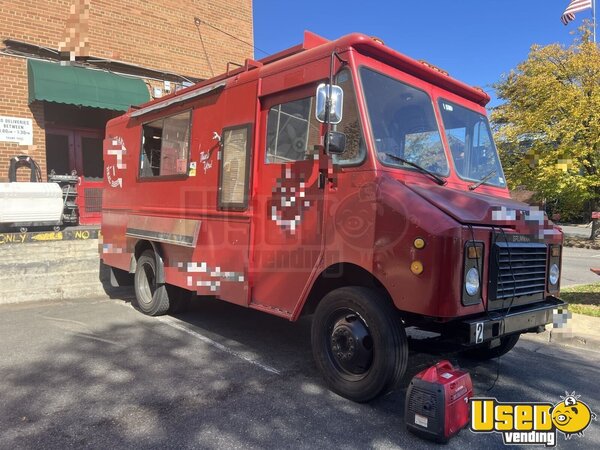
x: 359, y: 343
x: 151, y: 298
x: 485, y: 352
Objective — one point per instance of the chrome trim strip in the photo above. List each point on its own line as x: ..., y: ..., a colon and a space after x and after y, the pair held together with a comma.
x: 168, y: 230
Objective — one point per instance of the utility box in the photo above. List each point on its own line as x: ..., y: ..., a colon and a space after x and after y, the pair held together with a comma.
x: 30, y: 204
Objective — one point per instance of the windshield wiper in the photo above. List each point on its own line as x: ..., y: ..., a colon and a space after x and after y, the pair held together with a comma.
x: 438, y: 180
x: 474, y: 186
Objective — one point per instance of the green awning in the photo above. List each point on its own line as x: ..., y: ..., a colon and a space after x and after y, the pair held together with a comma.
x: 52, y: 82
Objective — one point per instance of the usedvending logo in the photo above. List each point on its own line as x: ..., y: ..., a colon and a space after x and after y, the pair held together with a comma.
x: 530, y: 422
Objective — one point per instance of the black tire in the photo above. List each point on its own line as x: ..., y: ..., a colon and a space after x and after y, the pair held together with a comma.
x: 358, y: 343
x: 484, y: 352
x: 151, y: 298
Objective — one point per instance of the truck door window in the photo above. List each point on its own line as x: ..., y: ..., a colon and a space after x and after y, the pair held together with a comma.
x: 165, y: 146
x: 292, y: 131
x: 403, y: 123
x: 233, y: 186
x: 350, y: 125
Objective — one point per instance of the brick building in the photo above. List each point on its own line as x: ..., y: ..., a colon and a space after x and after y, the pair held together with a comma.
x: 68, y: 66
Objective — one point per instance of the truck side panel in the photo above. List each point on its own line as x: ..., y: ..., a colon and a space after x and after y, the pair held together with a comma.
x: 204, y: 248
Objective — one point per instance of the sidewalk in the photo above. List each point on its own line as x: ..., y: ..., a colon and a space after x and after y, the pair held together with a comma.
x: 575, y: 230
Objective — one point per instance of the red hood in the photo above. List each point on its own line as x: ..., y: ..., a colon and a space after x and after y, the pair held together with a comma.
x: 480, y: 209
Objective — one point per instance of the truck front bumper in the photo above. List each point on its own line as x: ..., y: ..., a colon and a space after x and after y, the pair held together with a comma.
x: 524, y: 318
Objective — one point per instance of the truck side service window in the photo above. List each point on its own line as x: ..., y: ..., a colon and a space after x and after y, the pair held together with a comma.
x: 233, y: 186
x: 165, y: 146
x: 292, y: 131
x: 350, y: 125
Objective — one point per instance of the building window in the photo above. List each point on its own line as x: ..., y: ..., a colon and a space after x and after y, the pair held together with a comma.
x: 166, y: 145
x: 235, y: 168
x: 292, y: 131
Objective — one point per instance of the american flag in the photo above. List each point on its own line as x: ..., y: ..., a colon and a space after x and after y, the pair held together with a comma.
x: 574, y: 6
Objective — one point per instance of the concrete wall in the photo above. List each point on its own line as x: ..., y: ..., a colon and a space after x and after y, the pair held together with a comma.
x: 50, y: 271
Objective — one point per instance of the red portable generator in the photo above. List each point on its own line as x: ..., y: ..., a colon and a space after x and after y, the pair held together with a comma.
x: 437, y: 402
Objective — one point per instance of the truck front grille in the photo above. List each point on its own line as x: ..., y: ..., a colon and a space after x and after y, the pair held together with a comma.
x: 517, y: 270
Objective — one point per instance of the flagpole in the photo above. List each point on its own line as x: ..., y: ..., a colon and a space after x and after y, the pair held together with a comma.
x: 594, y: 18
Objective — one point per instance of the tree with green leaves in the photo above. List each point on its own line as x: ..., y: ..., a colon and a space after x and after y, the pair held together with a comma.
x: 548, y: 128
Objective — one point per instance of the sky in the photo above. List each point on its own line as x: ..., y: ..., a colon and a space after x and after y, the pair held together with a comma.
x: 476, y: 41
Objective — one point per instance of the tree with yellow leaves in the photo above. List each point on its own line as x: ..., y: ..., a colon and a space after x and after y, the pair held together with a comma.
x: 548, y: 128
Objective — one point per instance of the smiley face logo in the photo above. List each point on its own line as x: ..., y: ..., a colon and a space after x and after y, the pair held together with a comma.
x: 571, y: 415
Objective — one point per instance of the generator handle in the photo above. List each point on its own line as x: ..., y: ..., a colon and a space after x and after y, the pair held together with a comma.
x: 431, y: 374
x: 444, y: 364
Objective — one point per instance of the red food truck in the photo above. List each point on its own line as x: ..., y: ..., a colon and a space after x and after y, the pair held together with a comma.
x: 340, y: 179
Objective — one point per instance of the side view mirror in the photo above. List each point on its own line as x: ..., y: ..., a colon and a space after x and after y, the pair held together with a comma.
x: 337, y: 143
x: 335, y: 95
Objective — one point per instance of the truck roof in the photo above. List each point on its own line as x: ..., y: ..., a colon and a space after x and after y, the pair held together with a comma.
x: 315, y: 46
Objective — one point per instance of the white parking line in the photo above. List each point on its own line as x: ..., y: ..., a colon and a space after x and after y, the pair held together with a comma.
x: 176, y: 323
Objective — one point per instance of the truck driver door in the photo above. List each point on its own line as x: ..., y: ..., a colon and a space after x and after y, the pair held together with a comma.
x: 288, y: 203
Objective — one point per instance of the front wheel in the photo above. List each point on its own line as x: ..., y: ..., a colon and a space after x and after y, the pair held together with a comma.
x: 484, y: 352
x: 358, y: 343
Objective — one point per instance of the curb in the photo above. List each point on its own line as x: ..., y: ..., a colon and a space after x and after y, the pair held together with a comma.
x: 574, y: 339
x: 80, y: 233
x: 581, y: 331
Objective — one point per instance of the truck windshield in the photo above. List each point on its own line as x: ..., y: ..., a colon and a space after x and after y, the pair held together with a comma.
x: 471, y: 144
x: 403, y: 123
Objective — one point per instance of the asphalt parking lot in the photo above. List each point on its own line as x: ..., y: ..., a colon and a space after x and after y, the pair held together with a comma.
x: 99, y: 374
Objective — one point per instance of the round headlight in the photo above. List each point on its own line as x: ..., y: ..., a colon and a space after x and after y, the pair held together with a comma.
x: 554, y: 274
x: 472, y: 281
